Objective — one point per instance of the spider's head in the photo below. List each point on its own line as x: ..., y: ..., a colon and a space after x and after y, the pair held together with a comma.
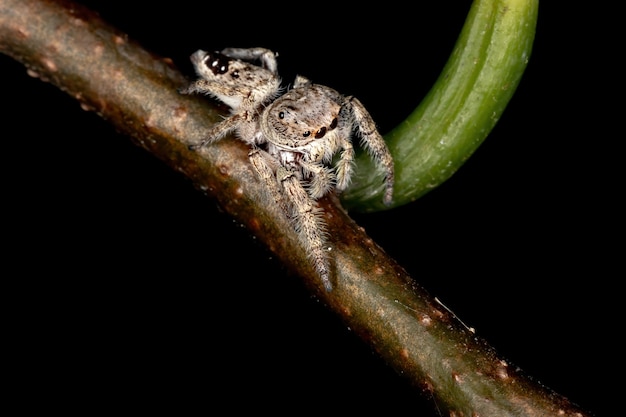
x: 299, y: 117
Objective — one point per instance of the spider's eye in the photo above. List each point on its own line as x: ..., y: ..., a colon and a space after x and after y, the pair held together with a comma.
x: 217, y: 63
x: 235, y: 74
x: 320, y: 133
x: 333, y: 124
x: 306, y: 134
x: 281, y: 115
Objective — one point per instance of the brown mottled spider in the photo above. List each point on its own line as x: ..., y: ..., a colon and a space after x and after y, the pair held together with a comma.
x: 294, y: 135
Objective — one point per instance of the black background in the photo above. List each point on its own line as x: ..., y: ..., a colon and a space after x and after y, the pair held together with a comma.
x: 129, y: 275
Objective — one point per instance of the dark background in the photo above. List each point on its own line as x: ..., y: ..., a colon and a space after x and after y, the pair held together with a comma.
x: 118, y: 258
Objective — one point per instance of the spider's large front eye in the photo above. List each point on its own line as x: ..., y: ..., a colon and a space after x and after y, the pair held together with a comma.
x: 320, y: 133
x: 333, y: 124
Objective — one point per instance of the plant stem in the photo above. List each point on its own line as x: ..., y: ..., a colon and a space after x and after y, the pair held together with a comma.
x: 460, y: 110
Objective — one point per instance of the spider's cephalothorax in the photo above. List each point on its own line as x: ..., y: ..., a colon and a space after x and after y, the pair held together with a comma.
x: 294, y: 136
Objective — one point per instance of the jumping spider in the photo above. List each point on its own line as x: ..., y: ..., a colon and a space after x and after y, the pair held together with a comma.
x: 294, y: 136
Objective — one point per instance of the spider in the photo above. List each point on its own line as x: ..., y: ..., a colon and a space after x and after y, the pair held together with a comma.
x: 300, y: 138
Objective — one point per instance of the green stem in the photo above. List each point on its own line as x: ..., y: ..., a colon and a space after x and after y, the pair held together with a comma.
x: 461, y: 109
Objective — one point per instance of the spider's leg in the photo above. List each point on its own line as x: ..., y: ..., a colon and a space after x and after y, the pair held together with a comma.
x: 266, y: 166
x: 374, y: 144
x: 309, y: 223
x: 211, y: 87
x: 218, y: 131
x: 345, y: 165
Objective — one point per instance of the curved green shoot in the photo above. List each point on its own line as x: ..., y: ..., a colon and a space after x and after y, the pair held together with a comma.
x: 460, y: 110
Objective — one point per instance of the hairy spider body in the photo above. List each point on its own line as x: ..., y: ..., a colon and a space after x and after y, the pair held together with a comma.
x: 295, y: 136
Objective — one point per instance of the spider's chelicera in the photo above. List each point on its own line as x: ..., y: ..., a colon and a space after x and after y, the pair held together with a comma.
x: 294, y: 136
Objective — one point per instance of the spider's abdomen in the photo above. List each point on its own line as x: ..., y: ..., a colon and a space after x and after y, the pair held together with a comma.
x: 234, y: 82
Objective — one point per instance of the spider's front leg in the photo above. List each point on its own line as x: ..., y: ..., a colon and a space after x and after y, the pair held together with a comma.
x: 302, y: 211
x: 308, y: 221
x: 373, y: 142
x: 266, y: 167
